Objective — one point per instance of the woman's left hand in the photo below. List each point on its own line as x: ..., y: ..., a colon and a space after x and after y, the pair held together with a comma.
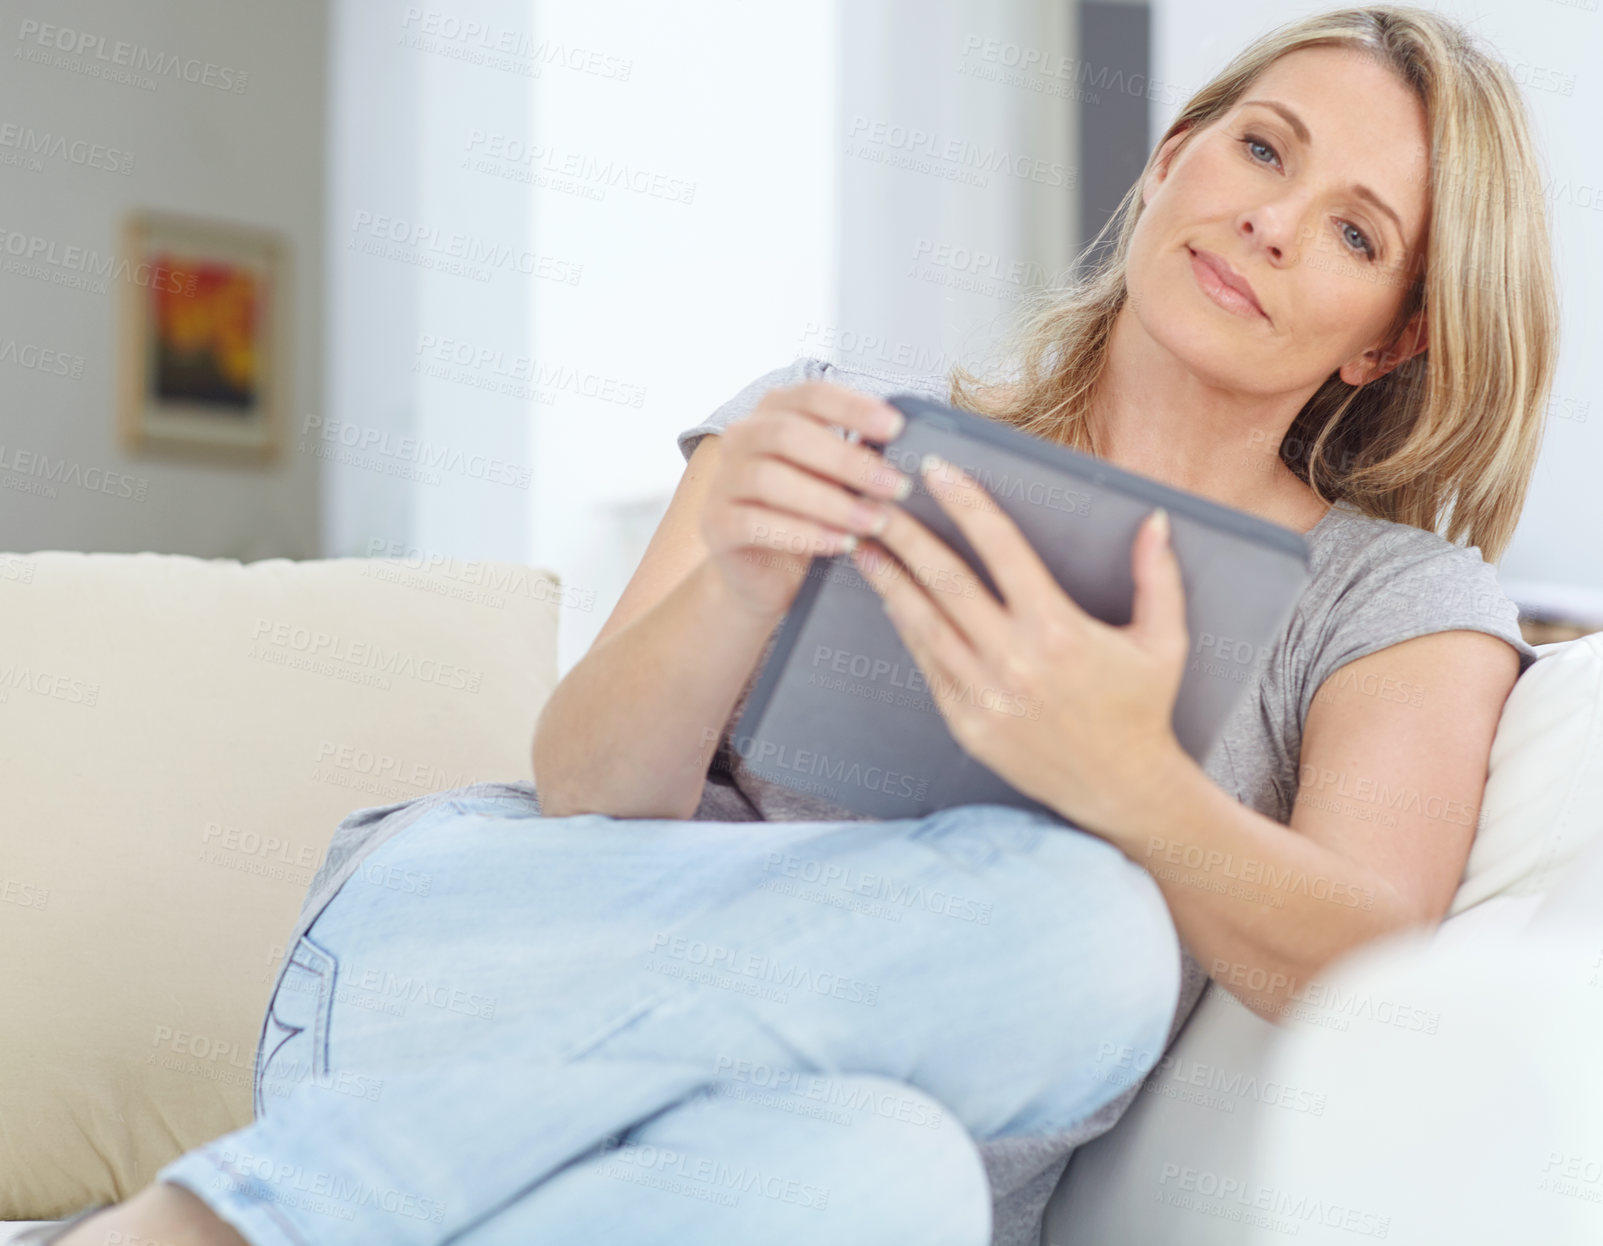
x: 1071, y: 711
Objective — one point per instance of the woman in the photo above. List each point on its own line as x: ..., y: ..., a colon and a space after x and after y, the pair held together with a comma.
x: 1330, y: 304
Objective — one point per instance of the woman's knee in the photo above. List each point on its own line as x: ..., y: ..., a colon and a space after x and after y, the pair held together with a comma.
x: 897, y: 1165
x: 1115, y: 957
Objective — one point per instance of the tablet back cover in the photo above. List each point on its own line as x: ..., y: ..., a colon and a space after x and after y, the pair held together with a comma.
x: 842, y: 711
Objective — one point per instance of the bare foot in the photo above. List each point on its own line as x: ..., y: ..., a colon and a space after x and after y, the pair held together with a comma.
x: 159, y: 1215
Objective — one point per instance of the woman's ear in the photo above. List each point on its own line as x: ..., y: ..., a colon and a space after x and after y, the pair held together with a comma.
x: 1377, y: 361
x: 1160, y: 167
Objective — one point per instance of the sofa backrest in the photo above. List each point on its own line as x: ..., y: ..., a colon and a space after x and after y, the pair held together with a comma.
x: 181, y: 737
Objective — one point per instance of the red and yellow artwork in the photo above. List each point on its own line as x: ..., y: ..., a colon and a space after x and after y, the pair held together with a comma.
x: 206, y: 317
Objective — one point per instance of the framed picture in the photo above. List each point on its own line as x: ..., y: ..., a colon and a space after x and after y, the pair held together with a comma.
x: 202, y: 339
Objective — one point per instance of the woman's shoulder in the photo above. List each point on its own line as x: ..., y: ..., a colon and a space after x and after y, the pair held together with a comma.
x: 881, y: 383
x: 1375, y: 582
x: 1352, y: 551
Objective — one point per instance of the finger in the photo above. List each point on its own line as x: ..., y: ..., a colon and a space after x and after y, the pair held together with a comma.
x: 942, y: 652
x: 1026, y: 583
x: 836, y: 404
x: 947, y: 580
x: 811, y: 445
x: 786, y: 489
x: 1158, y: 614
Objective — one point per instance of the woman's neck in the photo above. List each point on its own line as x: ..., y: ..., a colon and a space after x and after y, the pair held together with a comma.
x: 1153, y: 415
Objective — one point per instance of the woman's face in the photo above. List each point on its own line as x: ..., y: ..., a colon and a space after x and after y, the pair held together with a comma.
x: 1279, y: 195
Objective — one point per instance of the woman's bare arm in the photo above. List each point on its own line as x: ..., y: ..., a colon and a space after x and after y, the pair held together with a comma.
x: 1387, y: 802
x: 631, y: 729
x: 623, y: 733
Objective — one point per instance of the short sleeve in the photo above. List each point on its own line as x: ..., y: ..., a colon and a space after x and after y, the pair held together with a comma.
x: 743, y: 403
x: 1412, y: 585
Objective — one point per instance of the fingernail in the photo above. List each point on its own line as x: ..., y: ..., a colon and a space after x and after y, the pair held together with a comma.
x: 932, y: 462
x: 848, y: 543
x: 904, y: 486
x: 894, y: 424
x: 1161, y: 523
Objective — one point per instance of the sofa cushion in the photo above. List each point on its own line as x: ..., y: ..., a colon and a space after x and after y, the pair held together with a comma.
x: 1544, y: 790
x: 1215, y: 1092
x: 182, y: 737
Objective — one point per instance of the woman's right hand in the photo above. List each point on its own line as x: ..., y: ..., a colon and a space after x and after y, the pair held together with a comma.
x: 780, y: 496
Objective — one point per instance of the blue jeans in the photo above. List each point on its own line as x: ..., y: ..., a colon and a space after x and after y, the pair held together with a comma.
x: 506, y: 1028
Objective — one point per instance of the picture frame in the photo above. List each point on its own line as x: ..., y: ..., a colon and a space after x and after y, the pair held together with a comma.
x: 202, y: 339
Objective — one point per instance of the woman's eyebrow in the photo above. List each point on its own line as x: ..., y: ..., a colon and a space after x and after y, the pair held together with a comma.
x: 1306, y: 139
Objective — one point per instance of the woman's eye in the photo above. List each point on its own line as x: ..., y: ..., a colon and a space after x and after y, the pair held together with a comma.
x: 1251, y: 142
x: 1362, y: 240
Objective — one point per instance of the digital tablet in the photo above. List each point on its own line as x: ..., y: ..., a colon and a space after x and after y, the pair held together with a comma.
x: 841, y: 711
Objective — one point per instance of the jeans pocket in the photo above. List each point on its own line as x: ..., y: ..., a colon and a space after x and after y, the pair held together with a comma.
x: 295, y: 1037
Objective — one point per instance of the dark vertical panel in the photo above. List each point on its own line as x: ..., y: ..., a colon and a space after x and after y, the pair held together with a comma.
x: 1112, y: 78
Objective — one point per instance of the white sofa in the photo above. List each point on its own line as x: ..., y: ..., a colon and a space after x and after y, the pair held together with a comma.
x: 194, y: 730
x: 1440, y: 1089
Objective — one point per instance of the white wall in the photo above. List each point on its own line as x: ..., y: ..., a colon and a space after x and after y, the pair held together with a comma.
x: 424, y: 432
x: 958, y: 177
x: 801, y: 238
x: 699, y: 272
x: 665, y: 173
x: 251, y: 156
x: 1554, y: 50
x: 729, y: 185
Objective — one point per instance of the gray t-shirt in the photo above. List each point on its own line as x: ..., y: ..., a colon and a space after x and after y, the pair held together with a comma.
x: 1373, y: 584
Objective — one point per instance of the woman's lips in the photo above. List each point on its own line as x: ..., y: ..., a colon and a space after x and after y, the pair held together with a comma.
x: 1219, y: 290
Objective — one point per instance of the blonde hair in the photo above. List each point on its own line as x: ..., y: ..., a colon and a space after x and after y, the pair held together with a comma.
x: 1451, y: 433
